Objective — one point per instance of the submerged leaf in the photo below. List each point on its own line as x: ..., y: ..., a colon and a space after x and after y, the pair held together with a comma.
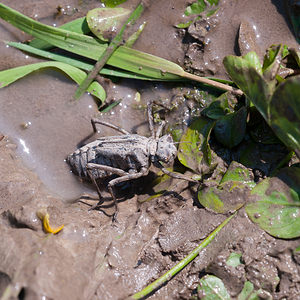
x: 9, y: 76
x: 277, y: 205
x: 212, y: 288
x: 104, y: 23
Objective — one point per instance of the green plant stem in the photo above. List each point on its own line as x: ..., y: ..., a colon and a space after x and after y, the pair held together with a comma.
x: 210, y: 82
x: 172, y: 272
x: 112, y: 47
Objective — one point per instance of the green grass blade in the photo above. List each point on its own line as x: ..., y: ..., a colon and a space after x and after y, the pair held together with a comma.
x: 9, y: 76
x: 172, y: 272
x: 146, y: 64
x: 79, y: 25
x: 74, y: 42
x: 77, y: 63
x: 124, y: 58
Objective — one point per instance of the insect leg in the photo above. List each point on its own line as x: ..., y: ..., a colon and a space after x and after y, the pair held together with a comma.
x: 159, y: 129
x: 112, y: 183
x: 150, y: 118
x: 90, y: 173
x: 97, y: 121
x: 175, y: 175
x: 91, y: 166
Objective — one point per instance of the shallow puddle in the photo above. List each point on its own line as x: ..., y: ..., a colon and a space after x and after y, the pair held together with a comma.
x: 38, y: 111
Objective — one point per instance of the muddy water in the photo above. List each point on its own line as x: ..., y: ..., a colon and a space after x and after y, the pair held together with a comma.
x: 38, y: 111
x: 90, y: 259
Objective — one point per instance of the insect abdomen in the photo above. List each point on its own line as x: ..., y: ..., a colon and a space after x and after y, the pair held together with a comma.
x: 121, y: 157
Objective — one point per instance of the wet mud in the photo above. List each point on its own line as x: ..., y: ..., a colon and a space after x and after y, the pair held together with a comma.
x: 92, y: 258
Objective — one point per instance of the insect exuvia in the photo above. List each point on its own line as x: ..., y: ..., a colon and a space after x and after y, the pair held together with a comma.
x: 128, y: 155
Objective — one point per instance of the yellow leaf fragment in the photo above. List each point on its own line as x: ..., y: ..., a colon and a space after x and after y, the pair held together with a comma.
x: 44, y: 216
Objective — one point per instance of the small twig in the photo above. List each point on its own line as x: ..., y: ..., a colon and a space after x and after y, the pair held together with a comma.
x: 167, y: 276
x: 216, y: 84
x: 111, y: 48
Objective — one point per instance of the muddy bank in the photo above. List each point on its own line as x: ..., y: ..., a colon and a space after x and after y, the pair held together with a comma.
x: 91, y: 258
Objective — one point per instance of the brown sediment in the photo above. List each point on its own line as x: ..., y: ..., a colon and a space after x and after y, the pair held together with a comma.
x: 90, y: 258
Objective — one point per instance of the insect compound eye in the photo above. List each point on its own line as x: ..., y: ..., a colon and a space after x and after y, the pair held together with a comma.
x: 169, y: 139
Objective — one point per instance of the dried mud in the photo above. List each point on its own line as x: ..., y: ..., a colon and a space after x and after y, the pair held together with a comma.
x: 91, y: 258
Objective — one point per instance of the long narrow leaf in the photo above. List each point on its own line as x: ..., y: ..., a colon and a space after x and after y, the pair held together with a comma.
x: 75, y: 62
x: 87, y: 67
x: 79, y: 25
x: 9, y: 76
x: 184, y: 262
x: 124, y: 58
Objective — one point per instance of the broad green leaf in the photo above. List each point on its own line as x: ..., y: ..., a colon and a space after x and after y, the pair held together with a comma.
x: 277, y: 205
x: 210, y: 199
x: 212, y: 288
x: 194, y: 149
x: 78, y: 25
x: 226, y: 198
x: 195, y: 8
x: 285, y: 113
x: 124, y: 57
x: 246, y: 72
x: 230, y: 129
x: 105, y: 22
x: 184, y: 25
x: 234, y: 259
x: 219, y: 107
x: 112, y: 3
x: 237, y: 172
x: 9, y: 76
x: 199, y: 7
x: 247, y: 291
